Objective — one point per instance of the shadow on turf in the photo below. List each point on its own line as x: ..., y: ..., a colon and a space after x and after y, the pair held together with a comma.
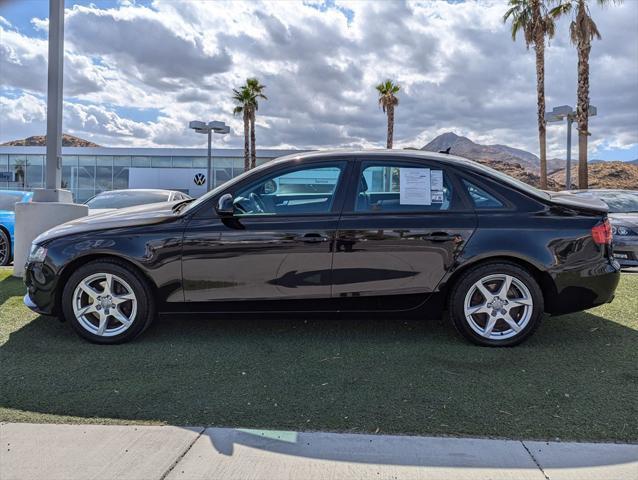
x: 8, y: 286
x: 340, y: 373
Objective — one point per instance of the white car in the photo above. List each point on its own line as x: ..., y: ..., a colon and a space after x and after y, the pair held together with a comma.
x: 115, y: 199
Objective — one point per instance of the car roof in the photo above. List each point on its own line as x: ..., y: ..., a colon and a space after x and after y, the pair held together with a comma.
x: 139, y: 190
x: 358, y: 155
x: 365, y: 154
x: 16, y: 192
x: 442, y: 158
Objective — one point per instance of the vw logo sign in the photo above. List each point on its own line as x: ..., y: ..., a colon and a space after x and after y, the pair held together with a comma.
x: 199, y: 179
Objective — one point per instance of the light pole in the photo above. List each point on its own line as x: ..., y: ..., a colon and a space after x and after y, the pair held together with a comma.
x: 52, y: 205
x: 209, y: 128
x: 557, y: 115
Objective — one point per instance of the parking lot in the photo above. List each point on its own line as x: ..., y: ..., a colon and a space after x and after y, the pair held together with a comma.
x: 576, y: 379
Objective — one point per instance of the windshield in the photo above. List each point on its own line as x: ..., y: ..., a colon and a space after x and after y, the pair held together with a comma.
x: 502, y: 177
x: 194, y: 204
x: 8, y: 201
x: 618, y: 202
x: 126, y: 198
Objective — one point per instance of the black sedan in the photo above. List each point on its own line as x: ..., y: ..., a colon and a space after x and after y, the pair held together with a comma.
x: 335, y: 231
x: 623, y: 214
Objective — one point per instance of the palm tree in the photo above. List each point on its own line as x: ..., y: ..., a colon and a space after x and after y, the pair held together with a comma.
x: 582, y: 31
x: 387, y: 101
x: 532, y: 18
x: 244, y: 98
x: 256, y: 89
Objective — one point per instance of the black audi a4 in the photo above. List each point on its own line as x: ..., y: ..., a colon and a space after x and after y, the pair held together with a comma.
x: 335, y: 231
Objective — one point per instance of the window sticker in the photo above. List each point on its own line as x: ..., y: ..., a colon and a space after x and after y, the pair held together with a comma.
x: 414, y: 186
x: 436, y: 186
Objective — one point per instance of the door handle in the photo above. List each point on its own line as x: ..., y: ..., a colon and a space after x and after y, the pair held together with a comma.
x: 440, y: 237
x: 311, y: 238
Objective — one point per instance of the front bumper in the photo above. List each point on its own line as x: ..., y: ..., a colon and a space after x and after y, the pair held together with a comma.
x: 33, y: 307
x: 626, y: 251
x: 41, y: 282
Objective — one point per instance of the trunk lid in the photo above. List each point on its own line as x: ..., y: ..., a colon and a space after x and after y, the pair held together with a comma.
x: 579, y: 202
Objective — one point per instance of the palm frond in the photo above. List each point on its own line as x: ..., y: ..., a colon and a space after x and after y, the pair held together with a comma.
x: 564, y: 7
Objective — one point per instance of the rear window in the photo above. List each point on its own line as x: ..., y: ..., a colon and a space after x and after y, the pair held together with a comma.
x: 124, y: 198
x: 506, y: 179
x: 480, y: 198
x: 8, y: 200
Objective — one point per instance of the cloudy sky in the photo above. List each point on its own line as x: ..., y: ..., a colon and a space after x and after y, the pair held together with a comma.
x: 137, y: 71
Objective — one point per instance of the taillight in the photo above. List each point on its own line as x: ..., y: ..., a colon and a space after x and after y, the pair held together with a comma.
x: 601, y: 233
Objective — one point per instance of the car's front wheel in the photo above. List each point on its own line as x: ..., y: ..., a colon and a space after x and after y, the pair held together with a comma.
x: 108, y: 302
x: 496, y: 304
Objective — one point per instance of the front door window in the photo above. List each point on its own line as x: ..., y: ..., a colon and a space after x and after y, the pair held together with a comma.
x: 309, y: 190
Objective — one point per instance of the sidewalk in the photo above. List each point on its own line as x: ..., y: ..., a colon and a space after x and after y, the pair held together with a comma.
x: 69, y: 452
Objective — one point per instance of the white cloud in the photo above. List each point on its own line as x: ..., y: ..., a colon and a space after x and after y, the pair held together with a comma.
x: 458, y: 68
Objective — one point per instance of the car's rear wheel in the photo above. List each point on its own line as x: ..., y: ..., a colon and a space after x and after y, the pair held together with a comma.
x: 496, y: 304
x: 5, y: 249
x: 108, y: 302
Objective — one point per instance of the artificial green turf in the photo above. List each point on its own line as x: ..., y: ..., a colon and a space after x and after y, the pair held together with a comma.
x: 576, y: 378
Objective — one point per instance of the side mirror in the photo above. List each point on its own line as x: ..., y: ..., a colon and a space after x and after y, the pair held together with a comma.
x: 225, y: 206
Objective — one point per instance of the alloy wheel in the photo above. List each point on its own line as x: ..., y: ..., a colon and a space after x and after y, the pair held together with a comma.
x: 104, y: 304
x: 4, y: 249
x: 498, y: 306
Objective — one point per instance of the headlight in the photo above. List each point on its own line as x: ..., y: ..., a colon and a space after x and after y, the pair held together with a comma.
x: 37, y: 254
x: 621, y: 230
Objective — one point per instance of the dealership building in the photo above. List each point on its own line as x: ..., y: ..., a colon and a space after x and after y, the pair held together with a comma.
x: 87, y: 171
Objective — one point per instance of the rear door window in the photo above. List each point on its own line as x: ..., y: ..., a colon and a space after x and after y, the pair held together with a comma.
x: 403, y: 187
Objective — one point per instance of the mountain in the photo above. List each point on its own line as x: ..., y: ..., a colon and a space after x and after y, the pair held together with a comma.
x: 465, y: 147
x: 525, y: 165
x: 41, y: 140
x: 604, y: 175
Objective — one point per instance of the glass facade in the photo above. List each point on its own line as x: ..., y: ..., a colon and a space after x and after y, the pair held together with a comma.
x: 87, y: 175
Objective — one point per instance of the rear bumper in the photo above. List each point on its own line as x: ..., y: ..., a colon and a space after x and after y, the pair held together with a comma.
x: 582, y: 289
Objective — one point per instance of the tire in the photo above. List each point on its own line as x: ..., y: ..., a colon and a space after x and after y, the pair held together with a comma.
x: 108, y: 315
x: 488, y: 317
x: 5, y: 249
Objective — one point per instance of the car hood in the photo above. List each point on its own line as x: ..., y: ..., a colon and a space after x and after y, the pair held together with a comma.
x: 97, y: 211
x: 124, y: 217
x: 627, y: 219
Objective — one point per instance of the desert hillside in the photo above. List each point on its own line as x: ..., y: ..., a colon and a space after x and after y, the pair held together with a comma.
x: 525, y: 165
x: 41, y: 140
x: 604, y: 175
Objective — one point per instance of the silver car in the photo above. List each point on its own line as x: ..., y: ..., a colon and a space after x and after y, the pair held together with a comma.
x: 115, y: 199
x: 623, y: 214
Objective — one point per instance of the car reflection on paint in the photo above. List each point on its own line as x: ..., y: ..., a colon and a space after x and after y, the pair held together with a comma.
x: 111, y: 200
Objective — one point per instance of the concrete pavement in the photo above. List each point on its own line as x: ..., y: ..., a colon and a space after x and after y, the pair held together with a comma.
x: 69, y: 452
